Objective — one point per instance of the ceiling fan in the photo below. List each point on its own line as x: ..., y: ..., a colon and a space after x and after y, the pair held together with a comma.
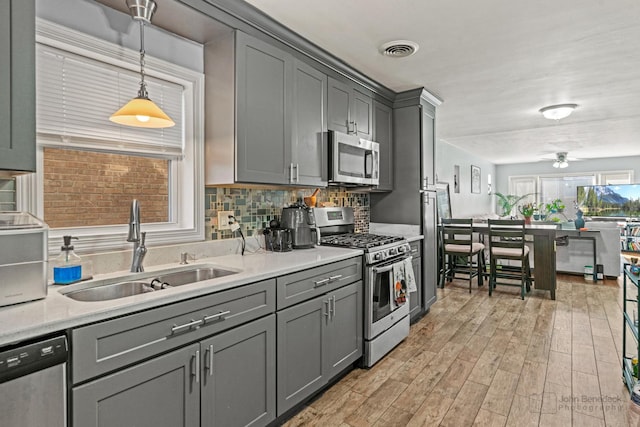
x: 560, y: 159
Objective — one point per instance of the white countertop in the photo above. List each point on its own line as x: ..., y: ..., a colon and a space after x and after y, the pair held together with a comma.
x: 57, y: 312
x: 408, y: 231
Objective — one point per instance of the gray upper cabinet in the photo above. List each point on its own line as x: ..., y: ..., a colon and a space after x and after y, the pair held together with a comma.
x: 263, y: 111
x: 309, y: 140
x: 383, y: 135
x: 17, y: 86
x: 350, y: 108
x: 266, y: 115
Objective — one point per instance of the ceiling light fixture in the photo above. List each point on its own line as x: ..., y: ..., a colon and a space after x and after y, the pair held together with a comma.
x: 561, y: 161
x: 557, y: 112
x: 141, y: 111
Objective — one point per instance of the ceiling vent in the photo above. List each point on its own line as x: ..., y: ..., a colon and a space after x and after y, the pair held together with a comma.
x: 399, y: 48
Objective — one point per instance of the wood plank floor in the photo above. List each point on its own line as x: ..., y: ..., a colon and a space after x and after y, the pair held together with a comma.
x: 499, y: 361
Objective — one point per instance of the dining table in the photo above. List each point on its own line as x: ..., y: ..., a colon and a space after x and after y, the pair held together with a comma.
x: 544, y: 253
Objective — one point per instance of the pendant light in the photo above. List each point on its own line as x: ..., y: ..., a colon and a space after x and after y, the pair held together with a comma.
x: 141, y: 111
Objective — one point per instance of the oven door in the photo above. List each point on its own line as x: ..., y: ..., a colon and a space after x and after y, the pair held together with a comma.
x: 354, y: 160
x: 387, y: 299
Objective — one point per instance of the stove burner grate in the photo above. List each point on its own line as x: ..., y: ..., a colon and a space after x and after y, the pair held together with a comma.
x: 359, y: 240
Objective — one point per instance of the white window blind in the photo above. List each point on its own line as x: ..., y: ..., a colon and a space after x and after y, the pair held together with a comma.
x: 76, y: 95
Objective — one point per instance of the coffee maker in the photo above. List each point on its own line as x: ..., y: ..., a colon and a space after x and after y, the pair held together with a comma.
x: 300, y: 220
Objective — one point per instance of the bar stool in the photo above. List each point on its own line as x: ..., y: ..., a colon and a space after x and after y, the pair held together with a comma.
x: 506, y: 242
x: 459, y: 250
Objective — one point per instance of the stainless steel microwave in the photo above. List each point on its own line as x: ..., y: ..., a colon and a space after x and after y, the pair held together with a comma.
x: 353, y: 160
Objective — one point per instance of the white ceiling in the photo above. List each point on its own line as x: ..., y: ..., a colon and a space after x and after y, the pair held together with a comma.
x: 495, y: 63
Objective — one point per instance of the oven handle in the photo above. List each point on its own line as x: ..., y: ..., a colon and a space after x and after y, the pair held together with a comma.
x: 389, y: 266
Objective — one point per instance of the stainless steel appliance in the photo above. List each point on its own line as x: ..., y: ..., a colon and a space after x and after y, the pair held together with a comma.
x: 23, y: 258
x: 386, y: 308
x: 353, y: 160
x: 33, y: 384
x: 299, y: 219
x: 278, y: 239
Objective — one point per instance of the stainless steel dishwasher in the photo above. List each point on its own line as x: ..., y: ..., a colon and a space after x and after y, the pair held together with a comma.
x: 33, y: 383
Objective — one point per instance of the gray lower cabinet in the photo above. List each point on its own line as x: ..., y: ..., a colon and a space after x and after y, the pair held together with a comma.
x: 227, y: 380
x: 157, y: 393
x: 239, y: 376
x: 17, y: 86
x: 350, y: 108
x: 383, y: 135
x: 415, y: 298
x: 317, y: 339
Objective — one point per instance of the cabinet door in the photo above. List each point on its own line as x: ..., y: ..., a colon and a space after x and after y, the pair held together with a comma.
x: 339, y: 99
x: 263, y: 79
x: 17, y: 85
x: 344, y: 331
x: 415, y: 298
x: 309, y: 141
x: 362, y: 114
x: 300, y: 351
x: 383, y: 134
x: 162, y: 392
x: 239, y: 380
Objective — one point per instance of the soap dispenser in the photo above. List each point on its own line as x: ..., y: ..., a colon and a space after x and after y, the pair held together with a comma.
x: 67, y: 267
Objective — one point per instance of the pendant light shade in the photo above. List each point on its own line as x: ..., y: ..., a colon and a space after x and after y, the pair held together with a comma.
x: 141, y: 111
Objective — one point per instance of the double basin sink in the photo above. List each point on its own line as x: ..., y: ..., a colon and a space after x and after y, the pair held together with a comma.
x: 142, y: 283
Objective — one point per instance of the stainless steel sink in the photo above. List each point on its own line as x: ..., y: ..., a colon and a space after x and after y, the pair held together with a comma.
x: 141, y: 283
x: 112, y: 291
x: 191, y: 276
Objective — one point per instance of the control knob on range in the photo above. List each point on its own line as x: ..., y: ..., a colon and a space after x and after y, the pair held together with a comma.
x: 377, y: 256
x: 393, y: 251
x: 402, y: 249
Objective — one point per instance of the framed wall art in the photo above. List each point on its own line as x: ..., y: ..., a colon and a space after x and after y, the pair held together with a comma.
x: 475, y: 179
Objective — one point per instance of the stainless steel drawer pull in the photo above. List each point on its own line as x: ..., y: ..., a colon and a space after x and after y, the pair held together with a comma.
x: 321, y: 282
x: 216, y: 316
x: 414, y: 251
x: 178, y: 328
x: 326, y: 312
x: 336, y: 277
x: 330, y: 308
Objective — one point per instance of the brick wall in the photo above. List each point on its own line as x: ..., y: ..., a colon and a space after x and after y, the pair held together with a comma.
x: 83, y: 188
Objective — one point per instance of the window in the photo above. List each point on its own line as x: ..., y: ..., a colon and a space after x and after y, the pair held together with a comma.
x: 89, y: 169
x: 547, y: 188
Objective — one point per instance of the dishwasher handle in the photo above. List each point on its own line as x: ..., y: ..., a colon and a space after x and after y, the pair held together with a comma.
x: 27, y: 358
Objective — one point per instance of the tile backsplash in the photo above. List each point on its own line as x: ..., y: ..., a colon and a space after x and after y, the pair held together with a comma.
x: 255, y: 207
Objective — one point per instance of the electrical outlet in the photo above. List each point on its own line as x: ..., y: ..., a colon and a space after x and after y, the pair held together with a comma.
x: 224, y: 220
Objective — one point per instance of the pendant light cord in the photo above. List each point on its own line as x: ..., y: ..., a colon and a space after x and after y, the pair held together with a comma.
x: 142, y: 93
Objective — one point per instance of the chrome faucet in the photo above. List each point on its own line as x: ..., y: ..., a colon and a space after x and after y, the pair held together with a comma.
x: 137, y: 238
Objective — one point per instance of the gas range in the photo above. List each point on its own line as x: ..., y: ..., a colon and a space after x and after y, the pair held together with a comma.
x: 335, y: 228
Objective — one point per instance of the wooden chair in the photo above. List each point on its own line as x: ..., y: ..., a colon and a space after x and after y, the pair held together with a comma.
x: 458, y: 250
x: 507, y: 242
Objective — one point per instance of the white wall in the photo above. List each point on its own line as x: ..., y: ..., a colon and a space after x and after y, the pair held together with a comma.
x: 108, y: 24
x: 465, y: 203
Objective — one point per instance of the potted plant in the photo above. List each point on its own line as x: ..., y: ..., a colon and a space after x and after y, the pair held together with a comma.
x: 509, y: 201
x: 527, y: 211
